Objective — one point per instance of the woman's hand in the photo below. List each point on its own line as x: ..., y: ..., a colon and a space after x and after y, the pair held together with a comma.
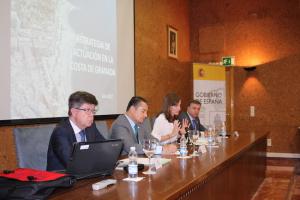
x: 185, y: 124
x: 176, y: 128
x: 173, y: 133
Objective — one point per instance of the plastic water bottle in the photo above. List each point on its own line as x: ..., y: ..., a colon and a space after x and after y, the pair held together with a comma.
x: 183, y: 148
x: 223, y: 129
x: 132, y: 165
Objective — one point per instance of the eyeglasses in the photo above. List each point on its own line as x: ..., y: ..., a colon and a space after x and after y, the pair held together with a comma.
x: 87, y: 110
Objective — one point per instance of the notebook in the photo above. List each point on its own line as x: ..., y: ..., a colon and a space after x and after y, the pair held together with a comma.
x: 92, y: 159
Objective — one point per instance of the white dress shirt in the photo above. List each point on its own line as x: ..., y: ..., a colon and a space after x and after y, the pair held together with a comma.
x: 76, y: 130
x: 163, y: 127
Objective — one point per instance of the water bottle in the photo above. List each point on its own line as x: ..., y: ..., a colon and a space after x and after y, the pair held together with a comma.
x: 132, y: 165
x: 223, y: 129
x: 210, y: 138
x: 183, y: 148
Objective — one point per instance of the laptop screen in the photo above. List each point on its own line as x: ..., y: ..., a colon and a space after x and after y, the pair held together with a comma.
x: 90, y: 159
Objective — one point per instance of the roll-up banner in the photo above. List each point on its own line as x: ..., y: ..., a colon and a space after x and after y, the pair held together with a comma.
x: 210, y: 90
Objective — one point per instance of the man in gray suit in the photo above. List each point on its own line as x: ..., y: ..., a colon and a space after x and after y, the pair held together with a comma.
x: 129, y: 127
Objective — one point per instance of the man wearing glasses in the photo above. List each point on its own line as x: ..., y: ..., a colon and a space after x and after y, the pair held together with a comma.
x: 79, y: 127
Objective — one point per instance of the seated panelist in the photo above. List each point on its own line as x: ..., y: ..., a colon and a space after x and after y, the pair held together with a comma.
x: 192, y: 115
x: 129, y: 126
x: 78, y: 127
x: 166, y: 127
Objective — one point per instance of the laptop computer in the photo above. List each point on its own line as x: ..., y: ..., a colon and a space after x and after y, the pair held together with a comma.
x: 92, y: 159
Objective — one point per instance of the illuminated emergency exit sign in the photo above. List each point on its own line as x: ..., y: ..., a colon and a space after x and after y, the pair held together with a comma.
x: 228, y: 61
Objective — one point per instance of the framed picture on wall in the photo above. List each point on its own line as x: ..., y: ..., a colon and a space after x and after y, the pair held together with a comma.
x: 172, y: 42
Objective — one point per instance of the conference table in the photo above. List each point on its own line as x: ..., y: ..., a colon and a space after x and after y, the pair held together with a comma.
x: 232, y: 170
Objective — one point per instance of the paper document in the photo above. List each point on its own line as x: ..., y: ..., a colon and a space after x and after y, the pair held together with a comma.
x: 145, y: 161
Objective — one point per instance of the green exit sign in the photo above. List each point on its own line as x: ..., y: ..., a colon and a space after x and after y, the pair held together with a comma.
x: 228, y: 61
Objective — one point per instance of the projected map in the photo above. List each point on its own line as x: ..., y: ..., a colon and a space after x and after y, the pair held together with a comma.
x: 58, y: 47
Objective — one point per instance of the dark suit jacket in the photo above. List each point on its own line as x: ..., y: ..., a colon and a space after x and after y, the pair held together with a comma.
x: 199, y: 126
x: 121, y: 129
x: 61, y: 144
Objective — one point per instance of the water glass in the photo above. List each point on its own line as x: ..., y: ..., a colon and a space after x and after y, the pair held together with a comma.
x: 149, y: 147
x: 194, y: 136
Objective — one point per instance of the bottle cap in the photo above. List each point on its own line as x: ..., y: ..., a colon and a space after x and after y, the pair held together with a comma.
x: 132, y: 148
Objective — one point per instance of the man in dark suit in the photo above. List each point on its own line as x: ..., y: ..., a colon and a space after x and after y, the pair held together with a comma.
x: 79, y: 127
x: 129, y: 127
x: 192, y: 115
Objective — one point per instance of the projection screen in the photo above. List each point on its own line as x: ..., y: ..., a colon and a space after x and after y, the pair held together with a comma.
x: 50, y: 49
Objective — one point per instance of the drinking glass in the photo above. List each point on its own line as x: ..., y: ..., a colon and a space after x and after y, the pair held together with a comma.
x: 149, y: 146
x: 194, y: 136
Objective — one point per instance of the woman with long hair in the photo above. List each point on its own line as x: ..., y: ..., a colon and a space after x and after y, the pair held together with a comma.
x: 166, y: 127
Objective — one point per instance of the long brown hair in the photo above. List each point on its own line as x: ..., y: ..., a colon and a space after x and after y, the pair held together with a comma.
x: 170, y: 99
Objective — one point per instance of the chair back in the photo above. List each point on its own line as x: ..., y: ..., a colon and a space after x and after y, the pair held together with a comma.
x: 32, y: 145
x: 103, y: 128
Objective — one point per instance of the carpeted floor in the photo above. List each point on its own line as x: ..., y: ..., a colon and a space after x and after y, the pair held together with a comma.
x: 281, y: 181
x: 295, y: 190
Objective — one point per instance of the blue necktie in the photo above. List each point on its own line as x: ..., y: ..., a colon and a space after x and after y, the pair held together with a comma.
x: 194, y: 124
x: 82, y: 136
x: 136, y: 132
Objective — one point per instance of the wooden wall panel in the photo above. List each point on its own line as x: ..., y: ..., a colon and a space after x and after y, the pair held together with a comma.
x: 209, y: 44
x: 7, y: 149
x: 255, y: 32
x: 156, y: 73
x: 274, y: 90
x: 265, y: 34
